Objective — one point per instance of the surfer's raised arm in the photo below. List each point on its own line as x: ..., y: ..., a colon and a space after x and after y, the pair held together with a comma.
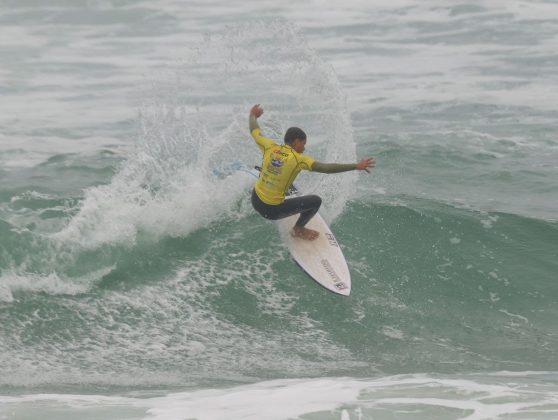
x: 262, y: 142
x: 255, y: 113
x: 333, y: 168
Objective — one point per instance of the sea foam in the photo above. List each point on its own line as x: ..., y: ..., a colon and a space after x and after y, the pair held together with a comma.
x: 168, y: 185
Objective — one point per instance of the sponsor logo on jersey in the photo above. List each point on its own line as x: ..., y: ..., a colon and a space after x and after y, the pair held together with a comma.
x: 279, y: 152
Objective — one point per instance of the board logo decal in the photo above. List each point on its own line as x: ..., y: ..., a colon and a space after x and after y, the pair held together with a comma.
x: 340, y: 285
x: 327, y: 265
x: 331, y: 239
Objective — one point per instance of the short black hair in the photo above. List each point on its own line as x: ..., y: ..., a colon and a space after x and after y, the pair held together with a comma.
x: 294, y: 133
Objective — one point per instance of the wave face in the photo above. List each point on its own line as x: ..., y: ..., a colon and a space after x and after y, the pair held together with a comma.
x: 171, y: 231
x: 131, y: 261
x: 437, y: 288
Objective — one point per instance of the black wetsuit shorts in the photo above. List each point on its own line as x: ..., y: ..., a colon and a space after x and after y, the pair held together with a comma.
x: 306, y: 205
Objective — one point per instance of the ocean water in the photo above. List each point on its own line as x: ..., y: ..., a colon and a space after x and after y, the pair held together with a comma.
x: 136, y: 281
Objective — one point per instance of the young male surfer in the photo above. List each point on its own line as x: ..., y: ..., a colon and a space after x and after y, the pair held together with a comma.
x: 280, y: 165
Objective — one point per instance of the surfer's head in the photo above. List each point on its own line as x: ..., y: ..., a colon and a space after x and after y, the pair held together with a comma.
x: 296, y: 138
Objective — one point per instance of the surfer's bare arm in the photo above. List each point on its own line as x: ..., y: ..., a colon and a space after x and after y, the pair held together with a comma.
x: 333, y: 168
x: 255, y: 113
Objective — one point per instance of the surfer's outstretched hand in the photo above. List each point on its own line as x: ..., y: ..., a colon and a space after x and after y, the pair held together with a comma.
x: 365, y: 164
x: 256, y: 111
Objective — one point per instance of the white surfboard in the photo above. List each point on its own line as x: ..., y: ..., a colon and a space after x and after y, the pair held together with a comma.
x: 322, y: 258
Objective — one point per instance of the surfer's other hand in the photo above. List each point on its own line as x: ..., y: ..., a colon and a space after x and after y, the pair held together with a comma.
x: 256, y: 111
x: 365, y: 164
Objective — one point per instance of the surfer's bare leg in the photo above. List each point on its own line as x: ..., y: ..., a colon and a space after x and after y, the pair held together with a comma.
x: 305, y: 233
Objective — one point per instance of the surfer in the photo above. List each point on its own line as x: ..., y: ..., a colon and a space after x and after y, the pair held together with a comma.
x: 280, y: 165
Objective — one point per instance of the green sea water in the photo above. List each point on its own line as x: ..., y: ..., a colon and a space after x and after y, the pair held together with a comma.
x: 136, y: 279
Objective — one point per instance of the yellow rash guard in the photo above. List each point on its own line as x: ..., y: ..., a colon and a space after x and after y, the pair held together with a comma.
x: 280, y: 166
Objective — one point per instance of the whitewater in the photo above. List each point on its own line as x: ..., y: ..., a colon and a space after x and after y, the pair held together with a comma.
x: 136, y: 281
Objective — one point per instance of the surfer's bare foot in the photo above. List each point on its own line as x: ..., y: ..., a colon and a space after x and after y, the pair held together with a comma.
x: 305, y: 233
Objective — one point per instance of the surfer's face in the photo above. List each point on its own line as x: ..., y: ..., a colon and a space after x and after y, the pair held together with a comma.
x: 298, y: 145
